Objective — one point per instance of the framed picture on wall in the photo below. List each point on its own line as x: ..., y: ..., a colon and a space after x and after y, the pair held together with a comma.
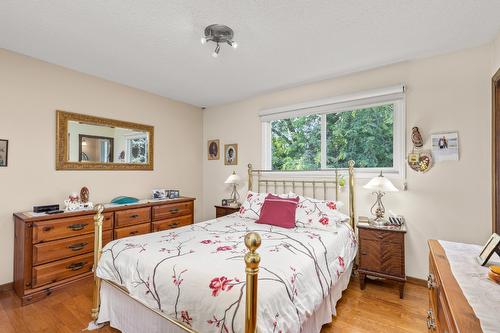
x: 4, y: 152
x: 231, y: 154
x: 445, y: 146
x: 213, y: 149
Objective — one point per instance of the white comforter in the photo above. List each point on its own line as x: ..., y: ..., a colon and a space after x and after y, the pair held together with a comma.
x: 196, y: 274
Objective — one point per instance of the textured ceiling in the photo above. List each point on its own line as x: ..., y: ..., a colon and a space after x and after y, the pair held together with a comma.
x: 155, y: 45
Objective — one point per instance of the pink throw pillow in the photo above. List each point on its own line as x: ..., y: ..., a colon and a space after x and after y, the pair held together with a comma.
x: 278, y: 211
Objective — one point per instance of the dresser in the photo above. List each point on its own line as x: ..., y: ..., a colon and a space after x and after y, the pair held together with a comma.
x: 53, y: 251
x: 382, y: 253
x: 449, y: 310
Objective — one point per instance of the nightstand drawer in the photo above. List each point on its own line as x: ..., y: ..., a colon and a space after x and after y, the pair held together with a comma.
x: 384, y: 236
x: 381, y: 257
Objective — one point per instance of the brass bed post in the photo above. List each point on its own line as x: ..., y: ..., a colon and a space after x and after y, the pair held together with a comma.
x: 351, y: 194
x: 252, y: 260
x: 250, y: 176
x: 98, y: 219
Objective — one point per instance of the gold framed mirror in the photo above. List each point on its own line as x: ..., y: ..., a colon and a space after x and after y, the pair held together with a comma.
x: 86, y: 142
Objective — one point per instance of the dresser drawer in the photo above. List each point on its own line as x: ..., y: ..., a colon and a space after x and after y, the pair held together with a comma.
x: 133, y: 230
x: 172, y: 223
x: 384, y: 236
x: 132, y: 216
x: 382, y: 257
x: 62, y: 269
x: 68, y: 227
x: 172, y: 210
x: 67, y: 247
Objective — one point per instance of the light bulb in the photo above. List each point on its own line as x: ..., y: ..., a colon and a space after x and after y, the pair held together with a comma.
x: 203, y: 40
x: 234, y: 45
x: 215, y: 54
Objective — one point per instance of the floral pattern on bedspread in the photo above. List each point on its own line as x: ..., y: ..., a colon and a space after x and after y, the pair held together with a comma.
x: 196, y: 274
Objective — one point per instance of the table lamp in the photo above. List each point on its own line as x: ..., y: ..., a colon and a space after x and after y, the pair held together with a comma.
x: 379, y: 185
x: 234, y: 179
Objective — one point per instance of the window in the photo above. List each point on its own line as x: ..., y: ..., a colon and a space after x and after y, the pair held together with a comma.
x: 325, y: 135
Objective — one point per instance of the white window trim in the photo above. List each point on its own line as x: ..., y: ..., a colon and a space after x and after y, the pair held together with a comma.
x: 395, y: 95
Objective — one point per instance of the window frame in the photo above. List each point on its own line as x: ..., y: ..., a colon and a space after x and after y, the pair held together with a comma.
x: 348, y: 103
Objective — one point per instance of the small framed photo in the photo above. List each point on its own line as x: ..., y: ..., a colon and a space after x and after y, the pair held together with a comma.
x: 159, y: 194
x: 492, y: 246
x: 4, y: 152
x: 213, y: 150
x: 231, y: 154
x: 224, y: 202
x: 174, y: 194
x: 445, y: 146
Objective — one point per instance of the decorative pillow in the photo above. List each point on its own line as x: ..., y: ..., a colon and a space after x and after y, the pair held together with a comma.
x: 278, y: 211
x: 253, y: 204
x: 319, y: 214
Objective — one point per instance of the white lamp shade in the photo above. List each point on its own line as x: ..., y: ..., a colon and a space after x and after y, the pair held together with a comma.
x: 233, y: 179
x: 382, y: 184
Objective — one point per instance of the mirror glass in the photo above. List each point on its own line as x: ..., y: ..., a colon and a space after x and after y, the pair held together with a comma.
x: 106, y: 144
x: 95, y: 143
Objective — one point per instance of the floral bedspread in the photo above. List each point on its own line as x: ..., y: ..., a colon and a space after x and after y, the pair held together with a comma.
x: 196, y: 274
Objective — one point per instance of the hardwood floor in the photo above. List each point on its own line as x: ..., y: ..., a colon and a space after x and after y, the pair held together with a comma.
x: 376, y: 309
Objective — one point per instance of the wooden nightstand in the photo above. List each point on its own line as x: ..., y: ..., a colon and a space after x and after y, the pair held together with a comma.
x: 382, y: 253
x: 225, y: 210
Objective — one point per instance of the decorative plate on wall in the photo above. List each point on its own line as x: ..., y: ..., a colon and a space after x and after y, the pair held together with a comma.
x: 420, y: 161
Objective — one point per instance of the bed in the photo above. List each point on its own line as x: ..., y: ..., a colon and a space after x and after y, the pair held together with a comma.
x: 192, y: 279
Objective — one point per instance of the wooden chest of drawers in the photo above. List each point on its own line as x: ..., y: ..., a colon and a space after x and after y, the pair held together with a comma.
x: 449, y: 311
x: 382, y: 254
x: 52, y: 251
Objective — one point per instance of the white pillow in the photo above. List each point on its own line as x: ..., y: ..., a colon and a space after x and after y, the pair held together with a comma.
x: 319, y: 214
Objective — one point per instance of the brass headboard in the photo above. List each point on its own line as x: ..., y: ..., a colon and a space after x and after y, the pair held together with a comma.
x: 324, y: 181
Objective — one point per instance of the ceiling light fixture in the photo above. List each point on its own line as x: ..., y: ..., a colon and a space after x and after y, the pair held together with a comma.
x: 218, y: 34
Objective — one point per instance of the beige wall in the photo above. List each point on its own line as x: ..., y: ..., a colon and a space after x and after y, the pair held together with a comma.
x: 445, y: 93
x: 496, y: 54
x: 31, y: 91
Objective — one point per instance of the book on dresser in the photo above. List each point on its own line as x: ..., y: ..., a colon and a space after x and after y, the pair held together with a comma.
x: 53, y: 251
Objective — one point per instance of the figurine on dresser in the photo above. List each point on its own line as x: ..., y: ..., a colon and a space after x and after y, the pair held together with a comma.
x: 75, y: 202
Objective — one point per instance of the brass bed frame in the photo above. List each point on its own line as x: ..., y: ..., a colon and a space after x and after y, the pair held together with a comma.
x: 320, y: 178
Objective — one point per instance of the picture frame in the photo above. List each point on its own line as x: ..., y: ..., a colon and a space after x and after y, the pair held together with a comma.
x: 159, y: 194
x: 491, y: 246
x: 4, y: 152
x: 445, y: 146
x: 231, y: 154
x: 213, y: 150
x: 224, y: 202
x: 174, y: 194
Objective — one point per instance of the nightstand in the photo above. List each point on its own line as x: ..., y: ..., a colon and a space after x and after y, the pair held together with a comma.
x: 225, y: 210
x: 382, y: 253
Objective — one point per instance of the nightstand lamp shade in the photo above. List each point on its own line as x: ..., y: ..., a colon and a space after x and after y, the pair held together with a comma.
x: 379, y: 185
x: 234, y: 180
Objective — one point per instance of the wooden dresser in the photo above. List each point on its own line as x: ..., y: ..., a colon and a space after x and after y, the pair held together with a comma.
x: 449, y: 310
x: 382, y: 254
x: 52, y: 251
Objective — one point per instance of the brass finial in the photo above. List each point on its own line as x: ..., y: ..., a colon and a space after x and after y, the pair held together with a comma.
x: 351, y: 163
x: 252, y: 259
x: 99, y: 208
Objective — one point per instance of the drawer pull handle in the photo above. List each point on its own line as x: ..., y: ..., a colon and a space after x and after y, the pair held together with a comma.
x: 173, y: 224
x: 134, y: 216
x: 174, y: 210
x: 47, y: 229
x: 380, y: 236
x: 431, y: 282
x: 364, y: 253
x: 431, y: 323
x: 77, y: 226
x: 77, y: 246
x: 133, y: 232
x: 77, y: 265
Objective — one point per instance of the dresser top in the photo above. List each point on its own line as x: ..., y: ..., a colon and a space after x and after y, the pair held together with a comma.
x: 29, y: 216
